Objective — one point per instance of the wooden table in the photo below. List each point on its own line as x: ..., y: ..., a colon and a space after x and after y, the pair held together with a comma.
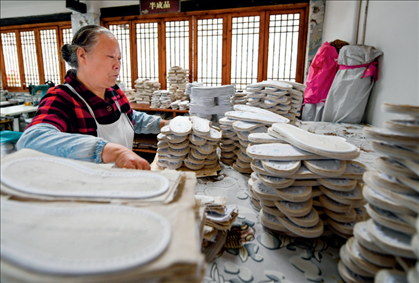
x: 146, y: 107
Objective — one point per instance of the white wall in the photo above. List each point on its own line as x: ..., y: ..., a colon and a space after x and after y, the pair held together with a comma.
x: 393, y: 28
x: 14, y: 9
x: 340, y: 21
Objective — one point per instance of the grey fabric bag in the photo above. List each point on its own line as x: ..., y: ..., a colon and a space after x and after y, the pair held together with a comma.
x: 348, y: 95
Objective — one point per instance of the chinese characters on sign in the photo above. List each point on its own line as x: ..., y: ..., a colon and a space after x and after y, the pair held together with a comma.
x: 156, y: 6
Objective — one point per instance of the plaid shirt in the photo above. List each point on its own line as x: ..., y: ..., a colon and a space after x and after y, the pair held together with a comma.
x: 63, y: 109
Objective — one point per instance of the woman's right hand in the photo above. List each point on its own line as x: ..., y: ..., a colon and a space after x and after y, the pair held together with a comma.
x: 123, y: 157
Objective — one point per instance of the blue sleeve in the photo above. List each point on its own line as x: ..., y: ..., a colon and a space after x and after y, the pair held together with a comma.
x: 48, y: 139
x: 145, y: 124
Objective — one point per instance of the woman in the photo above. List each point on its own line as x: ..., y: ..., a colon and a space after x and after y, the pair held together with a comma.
x: 89, y: 118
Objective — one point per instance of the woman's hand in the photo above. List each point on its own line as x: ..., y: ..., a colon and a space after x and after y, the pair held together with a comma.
x: 123, y: 157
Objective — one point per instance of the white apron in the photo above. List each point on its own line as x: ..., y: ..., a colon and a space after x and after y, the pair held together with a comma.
x: 120, y: 132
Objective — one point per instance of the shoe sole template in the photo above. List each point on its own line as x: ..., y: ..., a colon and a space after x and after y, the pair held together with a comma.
x: 279, y: 151
x: 322, y: 145
x: 390, y: 220
x: 394, y: 167
x: 401, y: 109
x: 180, y: 126
x: 390, y: 136
x: 256, y: 117
x: 395, y: 150
x: 70, y: 179
x: 393, y: 242
x: 200, y: 126
x: 403, y: 126
x: 65, y: 240
x: 327, y: 168
x: 411, y: 201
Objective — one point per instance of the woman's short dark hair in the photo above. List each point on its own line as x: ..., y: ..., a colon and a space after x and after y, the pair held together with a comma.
x: 87, y: 38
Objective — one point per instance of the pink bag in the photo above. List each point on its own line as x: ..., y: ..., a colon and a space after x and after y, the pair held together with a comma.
x: 322, y: 71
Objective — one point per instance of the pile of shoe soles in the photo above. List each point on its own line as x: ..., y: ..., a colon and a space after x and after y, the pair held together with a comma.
x: 281, y: 97
x: 304, y: 184
x: 237, y: 126
x: 385, y: 248
x: 188, y: 141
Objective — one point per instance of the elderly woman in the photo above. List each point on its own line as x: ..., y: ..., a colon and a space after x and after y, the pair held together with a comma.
x: 89, y: 118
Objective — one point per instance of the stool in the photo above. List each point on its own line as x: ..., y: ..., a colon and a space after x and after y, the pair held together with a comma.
x: 7, y: 124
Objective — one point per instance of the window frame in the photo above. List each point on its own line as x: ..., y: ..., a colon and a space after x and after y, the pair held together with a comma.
x: 36, y: 28
x: 263, y: 12
x: 227, y: 14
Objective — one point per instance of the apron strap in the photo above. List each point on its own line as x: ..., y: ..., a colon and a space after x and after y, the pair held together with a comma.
x: 126, y: 115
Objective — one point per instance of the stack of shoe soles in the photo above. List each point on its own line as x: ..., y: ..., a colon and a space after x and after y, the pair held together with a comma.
x: 145, y: 89
x: 130, y: 94
x: 218, y: 221
x: 75, y: 221
x: 211, y: 102
x: 189, y: 142
x: 236, y: 128
x: 177, y: 79
x: 165, y: 99
x: 304, y: 184
x: 239, y: 98
x: 284, y: 98
x: 386, y: 246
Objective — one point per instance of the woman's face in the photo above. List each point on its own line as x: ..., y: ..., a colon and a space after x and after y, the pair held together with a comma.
x: 103, y: 62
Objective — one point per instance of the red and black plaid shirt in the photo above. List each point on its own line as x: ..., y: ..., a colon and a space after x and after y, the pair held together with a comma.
x: 66, y: 111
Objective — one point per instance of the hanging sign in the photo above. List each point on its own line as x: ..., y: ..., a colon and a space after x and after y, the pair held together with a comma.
x: 156, y: 6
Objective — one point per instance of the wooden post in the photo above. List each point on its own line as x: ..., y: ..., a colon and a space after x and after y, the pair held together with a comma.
x: 162, y: 53
x: 133, y: 48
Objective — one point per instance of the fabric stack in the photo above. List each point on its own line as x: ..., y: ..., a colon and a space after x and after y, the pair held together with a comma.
x: 165, y: 99
x: 184, y: 105
x: 239, y: 98
x: 236, y: 128
x: 306, y: 181
x: 211, y: 102
x: 94, y: 229
x: 155, y: 99
x: 189, y: 87
x: 179, y: 105
x: 280, y: 97
x: 175, y: 105
x: 218, y: 221
x: 389, y: 239
x: 188, y: 141
x: 145, y: 89
x: 177, y: 79
x: 130, y: 94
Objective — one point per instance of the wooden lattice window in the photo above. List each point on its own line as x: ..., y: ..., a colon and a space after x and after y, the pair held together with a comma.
x: 121, y: 33
x: 244, y: 51
x: 147, y: 50
x: 50, y: 55
x: 229, y: 46
x: 283, y: 46
x: 210, y: 51
x: 177, y: 44
x: 67, y: 38
x: 11, y: 60
x: 27, y: 39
